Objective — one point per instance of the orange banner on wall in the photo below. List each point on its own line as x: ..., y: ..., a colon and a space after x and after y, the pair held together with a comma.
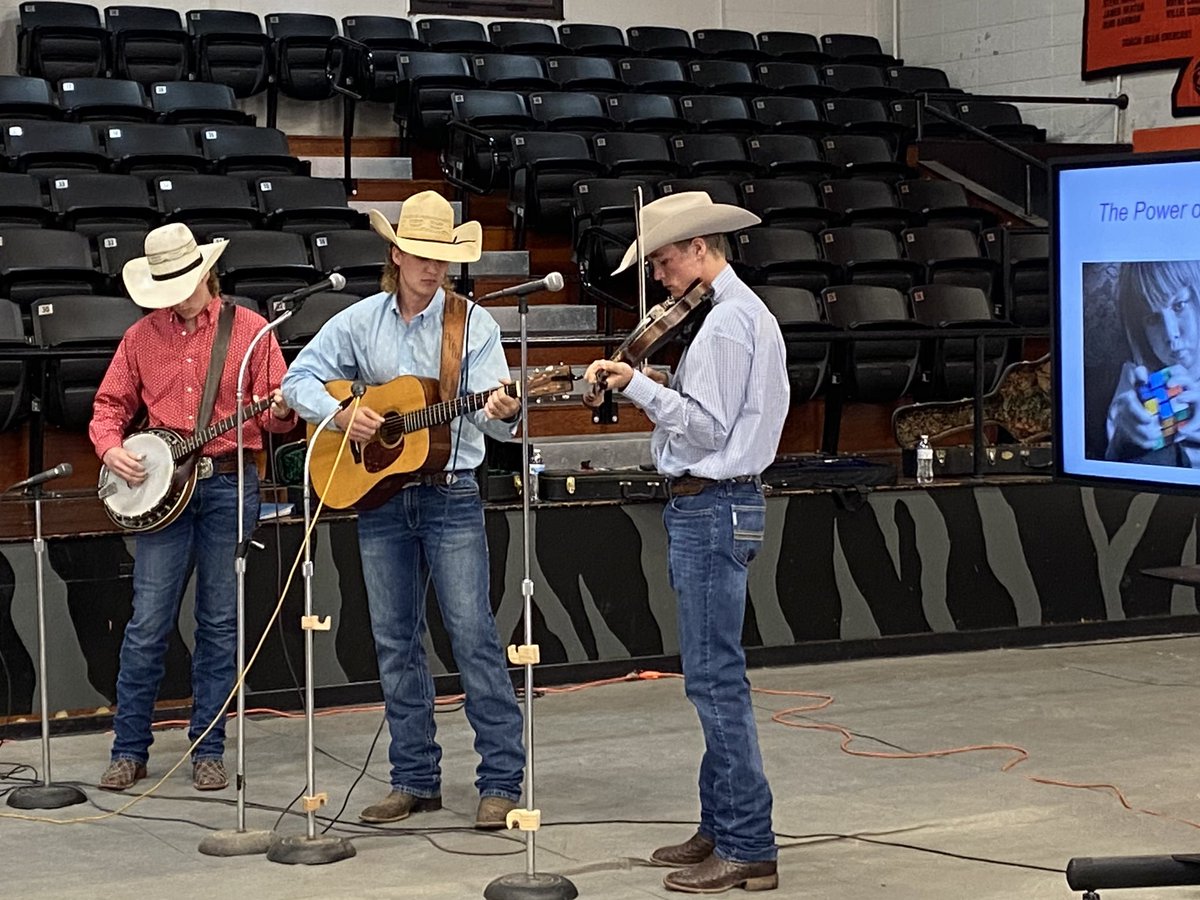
x: 1140, y: 35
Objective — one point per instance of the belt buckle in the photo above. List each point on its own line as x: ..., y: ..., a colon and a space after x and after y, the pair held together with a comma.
x: 204, y: 468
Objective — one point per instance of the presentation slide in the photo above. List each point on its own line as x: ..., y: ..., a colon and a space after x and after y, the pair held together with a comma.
x: 1127, y: 336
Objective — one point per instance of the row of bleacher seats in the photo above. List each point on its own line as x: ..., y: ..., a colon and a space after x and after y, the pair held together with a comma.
x: 119, y: 100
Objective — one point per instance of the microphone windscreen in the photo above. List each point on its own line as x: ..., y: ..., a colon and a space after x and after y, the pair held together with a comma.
x: 66, y: 469
x: 337, y: 281
x: 554, y: 281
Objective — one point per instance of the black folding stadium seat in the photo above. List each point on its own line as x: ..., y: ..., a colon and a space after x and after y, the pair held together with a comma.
x: 857, y: 80
x: 788, y: 156
x: 870, y: 256
x: 149, y: 44
x: 798, y: 313
x: 794, y: 79
x: 545, y: 167
x: 318, y: 309
x: 27, y: 97
x: 796, y: 46
x: 788, y: 115
x: 426, y: 82
x: 61, y: 40
x: 92, y: 203
x: 949, y: 369
x: 306, y: 205
x: 786, y: 202
x: 721, y: 190
x: 912, y: 117
x: 196, y: 102
x: 786, y: 257
x: 705, y: 112
x: 587, y: 39
x: 662, y: 41
x: 863, y: 201
x: 480, y: 136
x: 858, y: 115
x: 31, y: 145
x: 299, y: 45
x: 1002, y: 120
x: 150, y: 150
x: 14, y: 381
x: 230, y: 48
x: 646, y: 112
x: 654, y: 76
x: 207, y: 204
x: 863, y: 155
x: 624, y: 153
x: 43, y: 262
x: 727, y: 43
x: 873, y: 371
x: 951, y: 256
x: 113, y: 250
x: 943, y: 203
x: 104, y: 100
x: 1024, y: 257
x: 510, y: 72
x: 21, y: 205
x: 246, y: 148
x: 917, y: 79
x: 453, y: 35
x: 723, y: 76
x: 570, y: 111
x: 602, y: 227
x: 856, y: 48
x: 536, y: 38
x: 718, y: 155
x: 387, y: 37
x: 261, y: 264
x: 357, y: 255
x: 583, y: 73
x: 78, y: 320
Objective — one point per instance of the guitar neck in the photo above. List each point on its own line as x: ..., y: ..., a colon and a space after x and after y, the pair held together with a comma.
x: 202, y: 437
x: 441, y: 413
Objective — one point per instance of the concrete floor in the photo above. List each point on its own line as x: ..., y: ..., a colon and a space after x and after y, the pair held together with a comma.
x: 1120, y: 713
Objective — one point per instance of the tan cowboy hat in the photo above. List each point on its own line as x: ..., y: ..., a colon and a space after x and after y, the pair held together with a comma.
x: 679, y: 217
x: 426, y: 229
x: 171, y: 269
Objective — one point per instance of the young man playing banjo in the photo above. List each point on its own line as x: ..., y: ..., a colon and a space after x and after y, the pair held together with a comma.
x: 430, y: 527
x: 162, y: 364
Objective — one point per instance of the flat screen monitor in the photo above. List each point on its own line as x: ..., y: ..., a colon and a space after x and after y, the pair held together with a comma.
x: 1125, y: 276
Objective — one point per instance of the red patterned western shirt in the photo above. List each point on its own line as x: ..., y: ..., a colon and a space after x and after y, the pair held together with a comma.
x: 159, y: 364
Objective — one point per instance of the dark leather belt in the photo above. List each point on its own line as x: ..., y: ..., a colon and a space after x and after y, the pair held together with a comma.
x: 222, y: 465
x: 428, y: 479
x: 688, y: 485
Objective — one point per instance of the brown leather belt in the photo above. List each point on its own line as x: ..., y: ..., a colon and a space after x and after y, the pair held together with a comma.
x: 688, y: 485
x: 428, y: 479
x: 225, y: 465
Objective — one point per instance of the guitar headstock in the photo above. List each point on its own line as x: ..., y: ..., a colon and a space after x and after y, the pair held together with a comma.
x: 548, y: 381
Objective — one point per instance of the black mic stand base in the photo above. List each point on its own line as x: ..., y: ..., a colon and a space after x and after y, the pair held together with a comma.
x: 46, y: 796
x: 538, y: 886
x: 301, y: 850
x: 231, y: 842
x: 1089, y: 874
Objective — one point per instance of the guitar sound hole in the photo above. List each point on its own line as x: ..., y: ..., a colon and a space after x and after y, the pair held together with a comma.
x: 391, y: 432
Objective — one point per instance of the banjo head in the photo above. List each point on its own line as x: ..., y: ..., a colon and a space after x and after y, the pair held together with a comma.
x: 132, y: 502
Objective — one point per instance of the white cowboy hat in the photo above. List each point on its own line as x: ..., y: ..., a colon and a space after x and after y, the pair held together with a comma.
x: 171, y: 269
x: 679, y: 217
x: 426, y: 229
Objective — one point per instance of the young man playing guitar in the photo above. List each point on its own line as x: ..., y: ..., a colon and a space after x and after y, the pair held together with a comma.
x: 425, y: 524
x: 716, y: 427
x: 162, y: 364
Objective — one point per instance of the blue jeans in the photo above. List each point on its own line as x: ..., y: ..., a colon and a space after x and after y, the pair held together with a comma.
x: 438, y: 530
x: 204, y: 537
x: 712, y: 537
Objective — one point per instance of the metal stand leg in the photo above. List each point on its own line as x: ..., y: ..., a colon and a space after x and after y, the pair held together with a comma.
x: 46, y: 795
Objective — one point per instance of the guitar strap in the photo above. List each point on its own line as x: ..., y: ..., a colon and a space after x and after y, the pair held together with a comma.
x: 216, y: 365
x: 454, y: 337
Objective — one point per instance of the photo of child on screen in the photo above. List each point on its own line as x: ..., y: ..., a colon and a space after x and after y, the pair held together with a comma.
x: 1154, y: 414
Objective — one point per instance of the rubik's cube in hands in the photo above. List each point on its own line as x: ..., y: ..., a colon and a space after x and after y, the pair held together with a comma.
x: 1158, y: 397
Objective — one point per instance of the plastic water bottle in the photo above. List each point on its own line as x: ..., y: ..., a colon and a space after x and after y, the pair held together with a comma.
x: 536, y: 467
x: 924, y: 461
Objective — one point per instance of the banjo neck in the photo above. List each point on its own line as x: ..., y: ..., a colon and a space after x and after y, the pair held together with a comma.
x: 189, y: 445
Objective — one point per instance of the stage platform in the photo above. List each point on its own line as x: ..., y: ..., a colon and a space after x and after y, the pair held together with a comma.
x: 625, y: 758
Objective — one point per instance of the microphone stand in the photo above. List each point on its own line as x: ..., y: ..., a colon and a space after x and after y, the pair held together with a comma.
x: 239, y: 841
x: 46, y: 795
x: 309, y: 849
x: 530, y: 884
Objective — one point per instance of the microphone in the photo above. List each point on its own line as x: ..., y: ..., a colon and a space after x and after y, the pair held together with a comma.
x: 62, y: 470
x: 552, y: 282
x: 295, y: 299
x: 357, y: 388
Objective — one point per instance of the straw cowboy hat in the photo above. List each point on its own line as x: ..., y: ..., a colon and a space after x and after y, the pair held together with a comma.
x: 171, y: 269
x: 679, y: 217
x: 426, y: 229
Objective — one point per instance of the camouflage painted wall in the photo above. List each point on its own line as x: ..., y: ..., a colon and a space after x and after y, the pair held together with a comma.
x: 953, y: 559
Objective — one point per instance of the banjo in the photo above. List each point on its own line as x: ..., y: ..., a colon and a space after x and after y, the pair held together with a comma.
x: 171, y: 467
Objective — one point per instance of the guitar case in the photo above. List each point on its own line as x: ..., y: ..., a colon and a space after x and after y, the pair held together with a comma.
x: 819, y: 472
x: 1004, y: 459
x: 602, y: 484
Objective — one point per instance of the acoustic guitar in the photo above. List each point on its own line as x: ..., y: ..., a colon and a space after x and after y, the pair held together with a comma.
x: 414, y: 436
